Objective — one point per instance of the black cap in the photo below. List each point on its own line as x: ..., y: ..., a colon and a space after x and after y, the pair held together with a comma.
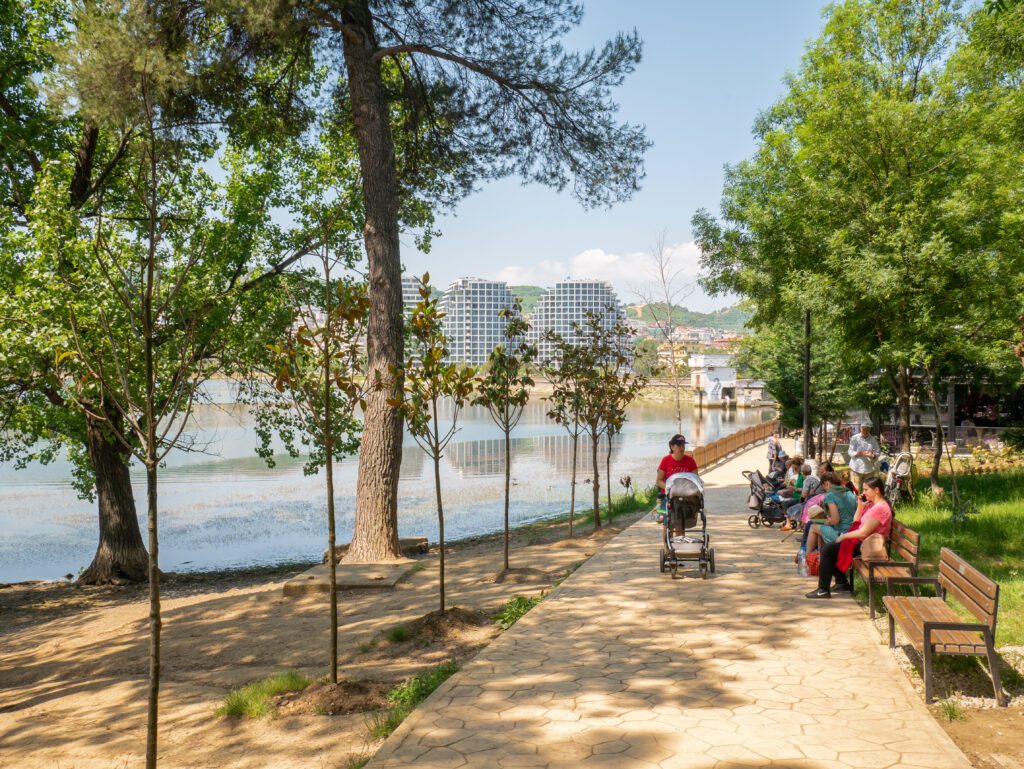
x: 677, y: 440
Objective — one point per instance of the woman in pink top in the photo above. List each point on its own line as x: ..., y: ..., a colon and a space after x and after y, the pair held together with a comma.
x: 874, y: 516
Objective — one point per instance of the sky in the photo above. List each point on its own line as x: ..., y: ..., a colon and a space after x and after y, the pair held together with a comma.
x: 708, y: 69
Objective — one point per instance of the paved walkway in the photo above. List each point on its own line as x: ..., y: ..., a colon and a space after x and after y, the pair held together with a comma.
x: 624, y: 668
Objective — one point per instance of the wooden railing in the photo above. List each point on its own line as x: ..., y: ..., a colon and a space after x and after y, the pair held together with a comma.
x: 716, y: 451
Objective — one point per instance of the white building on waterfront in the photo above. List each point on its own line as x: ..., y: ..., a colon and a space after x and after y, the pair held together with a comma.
x: 472, y: 322
x: 410, y: 292
x: 566, y: 304
x: 713, y: 378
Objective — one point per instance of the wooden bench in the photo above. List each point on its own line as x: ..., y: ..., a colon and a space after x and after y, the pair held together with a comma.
x: 932, y: 626
x: 903, y: 542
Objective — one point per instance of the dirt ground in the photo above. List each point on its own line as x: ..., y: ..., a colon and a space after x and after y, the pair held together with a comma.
x: 74, y: 661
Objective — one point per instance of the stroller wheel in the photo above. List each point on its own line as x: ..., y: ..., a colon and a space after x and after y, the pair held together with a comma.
x: 661, y: 562
x: 703, y: 569
x: 711, y: 560
x: 753, y: 521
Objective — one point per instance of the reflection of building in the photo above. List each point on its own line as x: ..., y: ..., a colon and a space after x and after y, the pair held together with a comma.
x: 413, y: 460
x: 713, y: 378
x: 557, y: 452
x: 477, y: 458
x: 566, y: 304
x: 472, y: 323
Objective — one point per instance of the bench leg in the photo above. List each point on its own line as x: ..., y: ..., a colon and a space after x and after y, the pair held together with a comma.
x: 993, y: 666
x: 871, y: 598
x: 892, y: 632
x: 927, y: 671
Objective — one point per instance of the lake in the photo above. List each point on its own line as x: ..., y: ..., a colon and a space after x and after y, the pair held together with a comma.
x: 224, y: 507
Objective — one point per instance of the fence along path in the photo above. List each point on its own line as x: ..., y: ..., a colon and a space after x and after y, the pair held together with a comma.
x: 713, y: 453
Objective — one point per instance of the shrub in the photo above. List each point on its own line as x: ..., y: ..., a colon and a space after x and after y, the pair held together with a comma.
x: 399, y: 634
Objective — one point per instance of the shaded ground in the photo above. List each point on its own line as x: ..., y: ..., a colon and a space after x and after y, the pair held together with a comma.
x: 73, y: 662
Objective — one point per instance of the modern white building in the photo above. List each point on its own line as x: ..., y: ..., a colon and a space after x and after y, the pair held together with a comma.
x: 410, y: 293
x: 472, y: 322
x: 713, y: 378
x: 566, y: 304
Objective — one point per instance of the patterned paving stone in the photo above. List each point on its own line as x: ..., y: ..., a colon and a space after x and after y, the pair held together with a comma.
x: 626, y: 668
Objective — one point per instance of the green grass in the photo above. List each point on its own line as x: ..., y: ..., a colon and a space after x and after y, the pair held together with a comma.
x: 254, y: 700
x: 397, y: 635
x: 992, y: 540
x: 358, y: 762
x: 514, y: 609
x: 951, y: 711
x: 407, y: 695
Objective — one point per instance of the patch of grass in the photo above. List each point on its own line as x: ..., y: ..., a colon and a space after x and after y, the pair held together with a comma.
x: 254, y: 700
x: 357, y: 762
x: 407, y: 695
x: 398, y: 634
x: 514, y: 609
x: 991, y: 540
x: 951, y: 710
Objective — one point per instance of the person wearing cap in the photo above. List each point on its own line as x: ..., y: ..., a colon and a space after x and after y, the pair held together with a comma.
x: 676, y: 461
x: 864, y: 452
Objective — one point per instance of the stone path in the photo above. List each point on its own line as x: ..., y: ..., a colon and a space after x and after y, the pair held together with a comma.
x: 625, y: 668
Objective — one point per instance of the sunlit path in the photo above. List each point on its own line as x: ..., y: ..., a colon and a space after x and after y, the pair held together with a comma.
x: 623, y: 667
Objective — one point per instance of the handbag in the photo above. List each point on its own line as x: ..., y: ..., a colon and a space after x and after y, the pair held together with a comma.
x: 813, y: 563
x: 753, y: 502
x: 873, y: 548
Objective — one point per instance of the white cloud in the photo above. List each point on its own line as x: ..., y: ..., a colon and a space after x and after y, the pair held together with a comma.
x: 628, y: 273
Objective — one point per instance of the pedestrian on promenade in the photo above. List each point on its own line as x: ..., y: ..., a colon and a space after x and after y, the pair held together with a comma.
x: 774, y: 446
x: 864, y: 452
x: 676, y: 461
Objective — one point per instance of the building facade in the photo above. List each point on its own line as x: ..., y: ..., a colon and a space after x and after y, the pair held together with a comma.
x: 566, y: 304
x: 472, y: 322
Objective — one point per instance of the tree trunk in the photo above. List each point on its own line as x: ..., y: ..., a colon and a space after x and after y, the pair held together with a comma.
x: 572, y: 491
x: 835, y: 440
x: 508, y: 477
x: 380, y: 457
x: 608, y: 476
x: 440, y: 519
x: 808, y: 437
x: 121, y: 554
x: 329, y: 469
x: 903, y: 398
x: 595, y: 440
x: 676, y: 384
x: 155, y: 623
x: 940, y: 438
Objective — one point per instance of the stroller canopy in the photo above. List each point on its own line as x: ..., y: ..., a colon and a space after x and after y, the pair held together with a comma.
x: 685, y: 485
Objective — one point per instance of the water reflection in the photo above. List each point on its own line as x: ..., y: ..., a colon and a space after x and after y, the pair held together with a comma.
x: 224, y: 507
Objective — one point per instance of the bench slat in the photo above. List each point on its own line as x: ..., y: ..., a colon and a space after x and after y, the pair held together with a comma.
x: 973, y: 599
x: 910, y: 613
x: 967, y: 573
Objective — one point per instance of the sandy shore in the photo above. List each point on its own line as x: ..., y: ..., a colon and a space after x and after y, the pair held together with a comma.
x: 73, y: 662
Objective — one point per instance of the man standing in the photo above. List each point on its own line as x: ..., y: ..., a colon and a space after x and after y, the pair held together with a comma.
x: 774, y: 444
x: 864, y: 452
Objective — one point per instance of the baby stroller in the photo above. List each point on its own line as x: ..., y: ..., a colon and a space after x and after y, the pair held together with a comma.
x: 899, y: 480
x: 685, y: 493
x: 767, y: 511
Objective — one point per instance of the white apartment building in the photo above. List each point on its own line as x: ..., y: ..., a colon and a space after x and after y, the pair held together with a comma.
x: 410, y: 293
x: 567, y: 303
x: 472, y: 323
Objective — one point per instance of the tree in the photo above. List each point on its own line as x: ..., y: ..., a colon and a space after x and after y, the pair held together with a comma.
x: 599, y: 384
x: 646, y: 360
x: 875, y: 86
x: 67, y: 99
x: 504, y: 388
x: 428, y: 382
x: 565, y: 370
x: 317, y: 371
x: 661, y: 300
x: 489, y: 91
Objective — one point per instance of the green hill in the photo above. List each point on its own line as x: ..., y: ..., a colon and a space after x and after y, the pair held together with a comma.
x: 528, y: 294
x: 729, y: 319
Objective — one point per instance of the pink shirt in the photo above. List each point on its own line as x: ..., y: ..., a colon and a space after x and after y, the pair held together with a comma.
x: 882, y: 513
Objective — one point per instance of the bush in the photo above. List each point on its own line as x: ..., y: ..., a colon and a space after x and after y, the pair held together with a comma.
x: 398, y: 634
x: 254, y: 700
x: 407, y: 695
x: 514, y: 610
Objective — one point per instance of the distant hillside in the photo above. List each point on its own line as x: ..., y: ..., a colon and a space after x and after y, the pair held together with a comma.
x: 528, y: 294
x: 729, y: 319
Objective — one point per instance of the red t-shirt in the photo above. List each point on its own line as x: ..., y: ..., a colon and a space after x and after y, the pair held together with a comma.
x: 669, y: 465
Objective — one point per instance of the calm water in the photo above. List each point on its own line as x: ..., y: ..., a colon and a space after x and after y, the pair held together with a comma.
x: 224, y: 507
